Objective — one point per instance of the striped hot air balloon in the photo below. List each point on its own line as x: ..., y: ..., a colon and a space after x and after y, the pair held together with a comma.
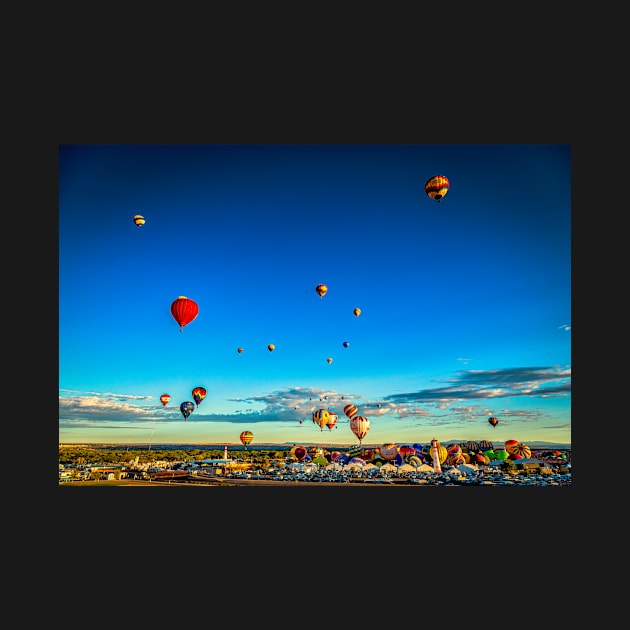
x: 436, y: 187
x: 321, y: 417
x: 521, y: 450
x: 246, y: 437
x: 139, y: 220
x: 509, y: 445
x: 360, y: 426
x: 350, y: 411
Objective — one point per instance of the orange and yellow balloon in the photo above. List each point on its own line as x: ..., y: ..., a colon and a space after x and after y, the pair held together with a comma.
x: 436, y: 187
x: 321, y: 290
x: 246, y: 437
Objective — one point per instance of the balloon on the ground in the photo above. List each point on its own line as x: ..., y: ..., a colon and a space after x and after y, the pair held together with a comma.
x: 522, y: 450
x: 389, y: 450
x: 509, y: 445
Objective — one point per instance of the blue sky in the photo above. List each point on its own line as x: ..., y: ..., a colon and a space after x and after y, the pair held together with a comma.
x: 465, y: 304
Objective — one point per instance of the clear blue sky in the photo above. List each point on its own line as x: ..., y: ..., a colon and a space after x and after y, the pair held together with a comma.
x: 466, y: 303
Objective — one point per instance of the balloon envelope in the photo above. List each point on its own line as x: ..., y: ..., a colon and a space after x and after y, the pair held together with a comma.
x: 350, y: 411
x: 345, y: 344
x: 359, y: 426
x: 321, y: 289
x: 184, y: 310
x: 271, y: 347
x: 246, y: 437
x: 138, y: 219
x: 436, y: 187
x: 187, y: 408
x: 199, y: 393
x: 357, y: 312
x: 165, y: 399
x: 493, y: 421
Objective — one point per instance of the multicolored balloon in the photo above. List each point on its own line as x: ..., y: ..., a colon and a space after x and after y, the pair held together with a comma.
x: 359, y: 426
x: 246, y: 437
x: 357, y: 312
x: 321, y: 417
x: 521, y: 450
x: 329, y: 360
x: 389, y: 451
x: 138, y: 219
x: 239, y: 350
x: 436, y: 187
x: 199, y: 393
x: 165, y: 399
x: 332, y: 420
x: 271, y: 347
x: 321, y: 290
x: 351, y: 411
x: 184, y: 310
x: 493, y: 421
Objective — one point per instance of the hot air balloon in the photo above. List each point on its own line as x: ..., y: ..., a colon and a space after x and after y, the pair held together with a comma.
x: 493, y: 421
x: 239, y: 350
x: 510, y: 444
x: 357, y: 312
x: 350, y: 411
x: 436, y: 187
x: 345, y: 344
x: 271, y: 347
x: 199, y: 393
x: 389, y: 450
x: 187, y: 408
x: 165, y: 399
x: 321, y: 417
x: 299, y: 452
x: 246, y: 437
x: 329, y: 359
x: 520, y: 450
x: 332, y: 420
x: 321, y: 290
x: 138, y: 219
x: 184, y: 310
x: 360, y: 427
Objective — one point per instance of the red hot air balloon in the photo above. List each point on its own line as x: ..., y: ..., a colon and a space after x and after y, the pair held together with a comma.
x: 493, y: 421
x: 332, y: 420
x: 184, y: 310
x: 199, y: 393
x: 246, y: 437
x: 239, y: 350
x: 165, y: 399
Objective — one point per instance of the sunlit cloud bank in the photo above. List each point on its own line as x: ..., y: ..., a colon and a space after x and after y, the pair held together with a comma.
x: 464, y: 398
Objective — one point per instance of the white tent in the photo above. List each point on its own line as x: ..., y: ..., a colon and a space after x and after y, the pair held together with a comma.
x: 425, y: 468
x: 388, y: 468
x: 405, y: 468
x: 468, y: 469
